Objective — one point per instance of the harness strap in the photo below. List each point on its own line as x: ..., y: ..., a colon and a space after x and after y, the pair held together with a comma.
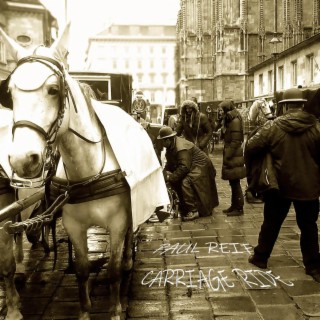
x: 25, y: 123
x: 108, y: 184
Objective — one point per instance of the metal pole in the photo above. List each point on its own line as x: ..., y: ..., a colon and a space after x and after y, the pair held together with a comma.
x: 274, y: 74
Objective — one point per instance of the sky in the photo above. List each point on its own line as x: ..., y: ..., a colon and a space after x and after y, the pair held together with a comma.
x: 90, y: 17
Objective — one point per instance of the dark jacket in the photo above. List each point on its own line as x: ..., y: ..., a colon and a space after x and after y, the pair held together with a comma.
x: 185, y: 159
x: 233, y: 161
x: 293, y: 141
x: 198, y: 129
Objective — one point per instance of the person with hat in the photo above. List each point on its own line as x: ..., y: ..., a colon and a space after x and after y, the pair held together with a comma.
x: 191, y: 174
x: 194, y: 125
x: 293, y: 140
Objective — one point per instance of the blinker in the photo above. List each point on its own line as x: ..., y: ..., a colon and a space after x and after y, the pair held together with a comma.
x: 5, y: 95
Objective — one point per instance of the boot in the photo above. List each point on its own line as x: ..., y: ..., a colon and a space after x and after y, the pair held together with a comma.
x: 235, y: 212
x: 231, y: 208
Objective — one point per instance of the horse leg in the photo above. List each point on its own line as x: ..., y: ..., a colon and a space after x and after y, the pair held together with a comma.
x: 78, y: 238
x: 117, y: 239
x: 128, y: 250
x: 7, y: 270
x: 19, y: 256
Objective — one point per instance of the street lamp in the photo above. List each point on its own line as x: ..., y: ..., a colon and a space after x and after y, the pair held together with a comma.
x: 274, y: 42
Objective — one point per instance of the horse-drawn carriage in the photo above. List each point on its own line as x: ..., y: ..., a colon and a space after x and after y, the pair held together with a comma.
x: 100, y: 164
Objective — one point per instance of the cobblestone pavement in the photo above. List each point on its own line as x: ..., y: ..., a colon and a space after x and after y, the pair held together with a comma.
x: 183, y: 271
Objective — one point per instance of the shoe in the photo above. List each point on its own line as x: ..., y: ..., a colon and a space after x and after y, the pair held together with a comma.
x: 228, y: 210
x: 250, y: 198
x: 315, y: 274
x: 235, y: 212
x: 191, y: 216
x: 154, y: 218
x: 258, y: 263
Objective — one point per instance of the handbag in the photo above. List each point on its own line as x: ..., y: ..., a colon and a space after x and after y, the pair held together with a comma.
x: 263, y: 175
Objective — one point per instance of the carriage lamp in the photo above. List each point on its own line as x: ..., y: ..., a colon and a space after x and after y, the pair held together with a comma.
x: 274, y: 42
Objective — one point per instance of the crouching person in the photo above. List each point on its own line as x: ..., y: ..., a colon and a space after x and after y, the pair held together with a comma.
x: 191, y: 174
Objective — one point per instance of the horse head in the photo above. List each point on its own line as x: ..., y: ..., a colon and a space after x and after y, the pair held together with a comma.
x: 35, y: 87
x: 259, y: 112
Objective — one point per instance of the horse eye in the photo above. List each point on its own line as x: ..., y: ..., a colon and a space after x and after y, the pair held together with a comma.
x: 53, y: 91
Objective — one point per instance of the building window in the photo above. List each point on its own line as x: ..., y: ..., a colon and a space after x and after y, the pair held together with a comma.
x: 251, y: 89
x: 114, y: 64
x: 127, y: 64
x: 139, y: 64
x: 281, y: 77
x: 310, y: 66
x: 2, y: 52
x: 294, y: 73
x: 260, y: 83
x: 270, y: 78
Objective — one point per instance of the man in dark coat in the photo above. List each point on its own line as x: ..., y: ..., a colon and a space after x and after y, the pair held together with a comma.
x: 233, y: 168
x: 191, y: 173
x: 194, y: 125
x: 293, y: 140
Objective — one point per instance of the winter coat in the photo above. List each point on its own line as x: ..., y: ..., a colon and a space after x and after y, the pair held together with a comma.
x: 293, y: 140
x: 198, y: 129
x: 185, y: 159
x: 233, y: 161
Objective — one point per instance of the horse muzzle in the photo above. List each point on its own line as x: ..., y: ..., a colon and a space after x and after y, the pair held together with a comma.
x: 28, y: 165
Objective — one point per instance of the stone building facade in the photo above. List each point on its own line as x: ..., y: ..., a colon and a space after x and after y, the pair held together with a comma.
x: 29, y: 23
x: 218, y: 41
x: 147, y: 52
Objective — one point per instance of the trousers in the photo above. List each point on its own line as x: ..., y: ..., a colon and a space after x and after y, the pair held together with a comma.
x: 237, y: 200
x: 186, y: 194
x: 275, y: 211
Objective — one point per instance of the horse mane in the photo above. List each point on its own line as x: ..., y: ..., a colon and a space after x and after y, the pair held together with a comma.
x: 88, y: 94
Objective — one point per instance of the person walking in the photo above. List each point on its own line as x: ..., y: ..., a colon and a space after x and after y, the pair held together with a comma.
x: 293, y: 140
x: 233, y: 168
x: 191, y: 174
x: 194, y: 125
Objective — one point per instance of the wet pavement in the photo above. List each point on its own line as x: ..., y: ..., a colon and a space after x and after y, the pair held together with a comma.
x: 194, y: 270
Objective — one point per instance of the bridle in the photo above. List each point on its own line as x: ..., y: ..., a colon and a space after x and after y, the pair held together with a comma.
x: 50, y: 136
x: 267, y: 115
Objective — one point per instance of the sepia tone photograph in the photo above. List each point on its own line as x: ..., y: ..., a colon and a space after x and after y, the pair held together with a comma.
x: 159, y: 159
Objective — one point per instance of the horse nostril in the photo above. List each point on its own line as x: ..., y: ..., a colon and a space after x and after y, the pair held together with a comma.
x: 34, y: 158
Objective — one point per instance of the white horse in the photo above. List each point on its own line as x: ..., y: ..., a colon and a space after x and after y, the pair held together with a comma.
x: 112, y: 182
x: 259, y: 113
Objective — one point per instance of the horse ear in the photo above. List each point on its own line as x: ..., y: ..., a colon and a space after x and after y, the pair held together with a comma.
x: 59, y: 48
x: 14, y: 48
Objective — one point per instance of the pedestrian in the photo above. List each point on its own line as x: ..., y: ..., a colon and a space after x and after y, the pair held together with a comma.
x: 191, y: 174
x: 293, y: 141
x: 233, y: 168
x: 194, y: 125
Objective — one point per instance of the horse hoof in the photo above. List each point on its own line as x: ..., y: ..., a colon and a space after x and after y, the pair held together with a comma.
x: 116, y: 318
x: 84, y: 316
x: 14, y: 315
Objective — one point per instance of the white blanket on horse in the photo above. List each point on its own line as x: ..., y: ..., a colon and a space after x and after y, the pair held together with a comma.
x: 136, y: 156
